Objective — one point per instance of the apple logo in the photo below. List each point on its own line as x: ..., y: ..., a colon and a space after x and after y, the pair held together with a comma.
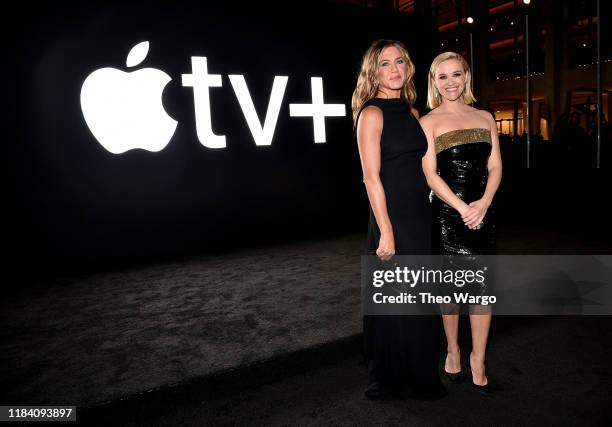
x: 124, y: 110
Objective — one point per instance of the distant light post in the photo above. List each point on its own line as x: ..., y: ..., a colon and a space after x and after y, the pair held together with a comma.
x: 599, y: 117
x: 470, y: 21
x: 528, y: 86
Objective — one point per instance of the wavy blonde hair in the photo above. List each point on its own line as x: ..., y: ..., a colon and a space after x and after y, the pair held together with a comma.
x: 434, y: 99
x: 367, y: 82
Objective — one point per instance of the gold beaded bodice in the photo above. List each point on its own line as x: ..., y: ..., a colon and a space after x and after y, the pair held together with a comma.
x: 461, y: 136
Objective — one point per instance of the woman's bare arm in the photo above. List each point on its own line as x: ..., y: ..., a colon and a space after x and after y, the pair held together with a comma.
x: 494, y: 167
x: 437, y: 184
x: 369, y: 131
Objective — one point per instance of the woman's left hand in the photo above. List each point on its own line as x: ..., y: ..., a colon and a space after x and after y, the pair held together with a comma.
x: 473, y: 220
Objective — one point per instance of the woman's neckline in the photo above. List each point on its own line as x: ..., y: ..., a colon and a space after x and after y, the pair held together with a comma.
x: 459, y: 130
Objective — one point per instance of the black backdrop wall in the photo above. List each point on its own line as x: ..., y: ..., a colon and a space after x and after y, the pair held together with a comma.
x: 76, y: 205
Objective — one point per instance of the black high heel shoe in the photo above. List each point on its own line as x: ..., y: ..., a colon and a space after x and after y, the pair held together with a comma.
x: 457, y: 377
x: 374, y: 391
x: 454, y: 378
x: 485, y: 390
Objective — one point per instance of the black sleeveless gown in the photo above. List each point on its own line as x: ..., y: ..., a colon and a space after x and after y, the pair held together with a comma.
x: 402, y: 352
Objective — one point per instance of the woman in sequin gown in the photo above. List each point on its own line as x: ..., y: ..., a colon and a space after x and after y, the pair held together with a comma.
x: 463, y: 168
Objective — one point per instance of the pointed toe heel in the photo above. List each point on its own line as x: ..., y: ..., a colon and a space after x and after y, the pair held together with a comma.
x: 455, y: 378
x: 485, y: 390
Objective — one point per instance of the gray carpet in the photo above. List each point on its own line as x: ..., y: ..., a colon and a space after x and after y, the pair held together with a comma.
x: 547, y: 371
x: 86, y: 340
x: 91, y: 339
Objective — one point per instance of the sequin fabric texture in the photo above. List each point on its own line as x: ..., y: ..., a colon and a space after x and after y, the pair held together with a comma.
x: 462, y: 156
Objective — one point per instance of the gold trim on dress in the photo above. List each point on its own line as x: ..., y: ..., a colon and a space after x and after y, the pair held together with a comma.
x: 457, y: 137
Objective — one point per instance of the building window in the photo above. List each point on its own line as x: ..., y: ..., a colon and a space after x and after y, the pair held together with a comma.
x: 507, y: 56
x: 582, y: 41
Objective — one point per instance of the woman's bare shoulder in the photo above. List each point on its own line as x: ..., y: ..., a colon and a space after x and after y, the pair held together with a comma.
x: 484, y: 114
x: 371, y: 111
x: 370, y: 114
x: 431, y: 118
x: 370, y: 118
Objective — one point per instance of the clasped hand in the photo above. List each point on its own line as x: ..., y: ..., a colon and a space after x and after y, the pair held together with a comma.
x: 474, y: 214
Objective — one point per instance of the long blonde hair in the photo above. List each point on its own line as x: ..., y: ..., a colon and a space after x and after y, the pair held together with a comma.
x: 434, y: 99
x: 367, y: 82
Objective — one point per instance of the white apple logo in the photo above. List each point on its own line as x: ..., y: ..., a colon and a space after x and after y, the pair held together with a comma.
x: 124, y: 110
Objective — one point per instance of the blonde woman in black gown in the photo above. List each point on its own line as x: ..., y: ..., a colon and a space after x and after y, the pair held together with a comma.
x: 401, y: 352
x: 463, y: 168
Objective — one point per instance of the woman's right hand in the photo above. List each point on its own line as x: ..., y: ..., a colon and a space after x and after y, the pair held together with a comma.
x: 386, y: 246
x: 466, y: 211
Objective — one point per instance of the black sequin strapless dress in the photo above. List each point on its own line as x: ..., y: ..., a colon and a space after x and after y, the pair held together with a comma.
x: 462, y: 156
